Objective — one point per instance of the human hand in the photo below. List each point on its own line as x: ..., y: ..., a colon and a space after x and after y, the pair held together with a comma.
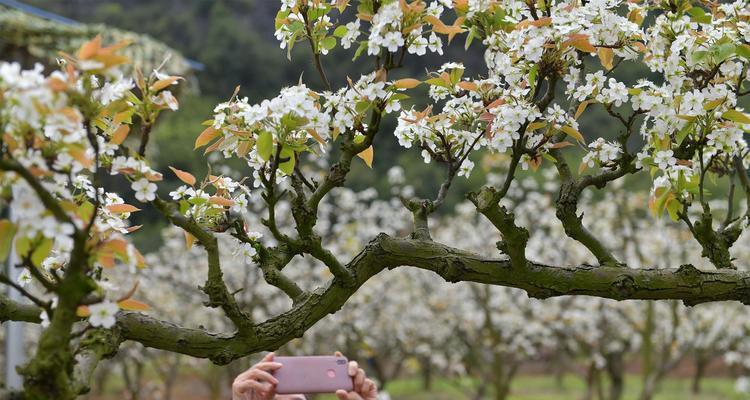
x: 364, y: 388
x: 257, y: 383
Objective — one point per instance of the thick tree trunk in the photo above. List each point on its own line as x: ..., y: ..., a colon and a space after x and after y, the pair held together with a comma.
x: 503, y: 372
x: 426, y: 368
x: 616, y: 373
x: 649, y: 388
x: 50, y: 373
x: 590, y: 382
x: 502, y: 389
x: 700, y: 369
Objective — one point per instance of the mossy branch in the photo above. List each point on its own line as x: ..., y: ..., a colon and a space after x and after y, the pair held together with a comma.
x: 685, y: 283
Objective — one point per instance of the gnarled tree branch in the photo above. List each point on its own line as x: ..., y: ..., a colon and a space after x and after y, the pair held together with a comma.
x: 686, y: 283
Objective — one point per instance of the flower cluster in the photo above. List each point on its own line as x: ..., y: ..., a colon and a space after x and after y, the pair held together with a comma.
x: 62, y: 131
x: 602, y: 153
x: 393, y: 24
x: 279, y: 129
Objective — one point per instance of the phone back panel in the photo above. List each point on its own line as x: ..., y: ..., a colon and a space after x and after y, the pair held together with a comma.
x: 312, y: 374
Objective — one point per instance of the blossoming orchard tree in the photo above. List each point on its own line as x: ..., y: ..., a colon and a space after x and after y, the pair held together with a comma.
x: 66, y: 133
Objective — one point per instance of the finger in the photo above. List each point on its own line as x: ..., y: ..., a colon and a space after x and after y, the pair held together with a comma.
x: 250, y: 373
x: 359, y: 379
x: 267, y: 358
x: 263, y: 376
x: 267, y: 366
x: 342, y: 395
x: 353, y: 366
x: 369, y: 387
x: 338, y: 354
x: 246, y: 386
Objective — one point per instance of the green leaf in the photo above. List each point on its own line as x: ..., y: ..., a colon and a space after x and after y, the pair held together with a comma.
x: 437, y: 82
x: 287, y: 166
x: 329, y: 43
x: 673, y: 208
x: 23, y: 245
x: 292, y: 40
x: 340, y: 31
x: 280, y: 16
x: 661, y: 202
x: 360, y: 49
x: 470, y: 38
x: 743, y: 51
x: 634, y: 91
x: 184, y: 206
x: 683, y: 133
x: 316, y: 12
x: 264, y: 145
x: 86, y: 210
x: 456, y: 75
x: 736, y: 116
x: 361, y: 106
x: 699, y: 56
x: 699, y: 15
x: 7, y: 232
x: 724, y: 51
x: 41, y: 252
x: 532, y: 76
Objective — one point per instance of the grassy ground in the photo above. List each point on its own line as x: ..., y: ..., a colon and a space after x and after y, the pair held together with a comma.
x: 524, y: 388
x: 545, y: 388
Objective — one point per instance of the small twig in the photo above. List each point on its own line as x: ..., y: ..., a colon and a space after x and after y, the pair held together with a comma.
x: 39, y: 302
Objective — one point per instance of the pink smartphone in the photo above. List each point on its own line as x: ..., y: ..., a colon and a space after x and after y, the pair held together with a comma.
x: 312, y: 374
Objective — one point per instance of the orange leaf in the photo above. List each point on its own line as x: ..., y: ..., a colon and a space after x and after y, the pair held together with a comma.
x: 606, y: 55
x: 316, y: 136
x: 581, y: 108
x: 120, y: 134
x: 570, y: 131
x: 130, y: 292
x: 222, y: 201
x: 122, y: 208
x: 495, y: 103
x: 440, y: 27
x: 133, y: 305
x: 90, y: 48
x: 184, y: 176
x: 83, y: 311
x: 153, y: 176
x: 407, y: 83
x: 189, y: 239
x: 57, y: 84
x: 206, y: 136
x: 469, y: 86
x: 560, y: 145
x: 162, y: 83
x: 80, y: 155
x: 214, y: 146
x: 134, y: 228
x: 580, y: 42
x: 107, y: 260
x: 367, y: 155
x: 140, y: 261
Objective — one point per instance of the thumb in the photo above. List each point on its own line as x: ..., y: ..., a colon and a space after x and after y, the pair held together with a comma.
x: 342, y: 395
